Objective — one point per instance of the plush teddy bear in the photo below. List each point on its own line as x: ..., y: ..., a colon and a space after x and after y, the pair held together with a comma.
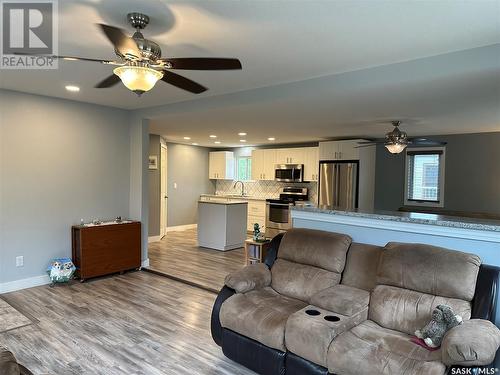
x: 443, y: 319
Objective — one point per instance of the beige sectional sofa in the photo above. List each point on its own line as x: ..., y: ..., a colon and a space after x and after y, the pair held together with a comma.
x: 324, y: 305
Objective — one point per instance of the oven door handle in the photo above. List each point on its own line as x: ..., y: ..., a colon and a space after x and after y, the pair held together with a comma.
x: 279, y: 204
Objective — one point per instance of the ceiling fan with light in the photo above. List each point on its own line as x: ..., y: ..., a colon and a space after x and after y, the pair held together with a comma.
x: 396, y: 140
x: 140, y: 65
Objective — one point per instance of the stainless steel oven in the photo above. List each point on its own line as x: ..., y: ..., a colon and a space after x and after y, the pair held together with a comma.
x: 288, y: 172
x: 278, y: 212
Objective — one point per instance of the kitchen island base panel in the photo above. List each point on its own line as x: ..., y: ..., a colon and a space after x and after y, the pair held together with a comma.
x: 222, y: 225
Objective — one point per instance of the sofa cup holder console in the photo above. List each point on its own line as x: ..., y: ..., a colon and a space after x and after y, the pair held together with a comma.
x: 313, y: 312
x: 332, y: 318
x: 328, y: 318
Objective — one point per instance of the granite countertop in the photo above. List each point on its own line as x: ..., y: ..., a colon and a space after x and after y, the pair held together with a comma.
x: 411, y: 217
x: 230, y: 196
x: 223, y: 201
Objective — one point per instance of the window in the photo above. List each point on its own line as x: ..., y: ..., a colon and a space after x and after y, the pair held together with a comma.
x: 244, y: 168
x: 425, y: 177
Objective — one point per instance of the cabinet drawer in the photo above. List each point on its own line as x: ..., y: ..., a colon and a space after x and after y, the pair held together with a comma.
x: 256, y: 208
x: 251, y: 220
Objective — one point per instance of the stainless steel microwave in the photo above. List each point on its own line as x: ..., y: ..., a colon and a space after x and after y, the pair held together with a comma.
x: 288, y: 172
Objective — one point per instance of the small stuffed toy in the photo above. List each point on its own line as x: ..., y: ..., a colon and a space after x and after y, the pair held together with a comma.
x: 443, y: 319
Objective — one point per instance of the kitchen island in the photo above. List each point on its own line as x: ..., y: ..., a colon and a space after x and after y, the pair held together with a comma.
x: 481, y: 237
x: 222, y: 223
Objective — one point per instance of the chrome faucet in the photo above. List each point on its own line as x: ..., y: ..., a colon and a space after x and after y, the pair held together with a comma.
x: 242, y: 187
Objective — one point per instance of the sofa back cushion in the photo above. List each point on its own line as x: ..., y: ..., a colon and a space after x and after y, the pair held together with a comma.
x: 406, y: 310
x: 309, y: 261
x: 361, y: 266
x: 301, y: 281
x: 316, y: 248
x: 429, y: 269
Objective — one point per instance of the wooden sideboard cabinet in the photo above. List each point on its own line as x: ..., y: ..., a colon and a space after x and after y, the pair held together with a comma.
x: 104, y: 249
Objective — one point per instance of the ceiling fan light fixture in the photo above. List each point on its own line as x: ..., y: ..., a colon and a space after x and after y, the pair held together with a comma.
x: 395, y: 148
x: 138, y: 79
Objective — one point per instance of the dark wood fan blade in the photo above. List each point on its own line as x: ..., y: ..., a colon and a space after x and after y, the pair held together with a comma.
x: 370, y: 142
x: 108, y: 81
x: 426, y: 142
x: 69, y: 58
x: 182, y: 82
x: 203, y: 63
x: 123, y: 43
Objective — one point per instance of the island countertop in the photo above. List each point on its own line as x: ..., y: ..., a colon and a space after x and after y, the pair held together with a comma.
x: 223, y: 201
x: 410, y: 217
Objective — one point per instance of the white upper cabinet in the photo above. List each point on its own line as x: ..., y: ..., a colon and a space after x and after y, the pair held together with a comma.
x: 339, y: 150
x: 311, y: 163
x: 290, y: 156
x: 263, y: 162
x: 221, y: 165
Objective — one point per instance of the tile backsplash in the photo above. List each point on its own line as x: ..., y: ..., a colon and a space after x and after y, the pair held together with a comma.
x: 264, y: 189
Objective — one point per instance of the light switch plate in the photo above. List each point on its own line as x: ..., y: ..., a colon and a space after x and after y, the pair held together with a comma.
x: 19, y: 261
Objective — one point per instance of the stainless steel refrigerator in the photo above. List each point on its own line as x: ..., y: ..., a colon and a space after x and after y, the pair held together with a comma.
x: 338, y: 185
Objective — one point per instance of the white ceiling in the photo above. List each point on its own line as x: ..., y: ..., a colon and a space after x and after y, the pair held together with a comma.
x: 282, y: 42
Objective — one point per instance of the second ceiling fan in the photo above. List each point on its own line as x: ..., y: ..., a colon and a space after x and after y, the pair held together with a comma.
x: 396, y: 140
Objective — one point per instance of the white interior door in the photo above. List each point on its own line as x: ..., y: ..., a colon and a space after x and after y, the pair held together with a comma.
x: 163, y: 191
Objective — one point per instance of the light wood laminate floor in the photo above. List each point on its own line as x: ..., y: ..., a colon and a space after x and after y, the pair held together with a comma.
x: 134, y: 324
x: 178, y: 255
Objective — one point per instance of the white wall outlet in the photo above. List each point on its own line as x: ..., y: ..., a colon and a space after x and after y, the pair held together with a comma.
x: 19, y: 261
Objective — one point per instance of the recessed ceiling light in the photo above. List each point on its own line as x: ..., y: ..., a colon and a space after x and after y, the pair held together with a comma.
x: 242, y: 134
x: 243, y: 140
x: 194, y: 144
x: 187, y: 138
x: 72, y: 88
x: 217, y: 142
x: 271, y: 139
x: 212, y: 136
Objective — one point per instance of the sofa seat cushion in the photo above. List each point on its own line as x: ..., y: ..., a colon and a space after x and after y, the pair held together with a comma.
x: 260, y: 315
x: 406, y: 310
x: 371, y: 349
x: 310, y: 331
x: 342, y: 299
x: 301, y: 281
x: 8, y: 363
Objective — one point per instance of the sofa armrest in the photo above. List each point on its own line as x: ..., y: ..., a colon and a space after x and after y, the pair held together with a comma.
x: 473, y: 343
x: 254, y: 276
x: 215, y: 324
x: 342, y: 299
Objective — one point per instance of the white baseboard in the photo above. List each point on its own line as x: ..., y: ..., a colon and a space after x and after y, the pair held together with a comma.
x: 145, y: 263
x: 154, y: 239
x: 178, y: 228
x: 30, y: 282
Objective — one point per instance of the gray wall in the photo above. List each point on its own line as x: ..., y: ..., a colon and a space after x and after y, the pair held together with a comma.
x: 472, y: 174
x: 154, y: 187
x: 60, y: 161
x: 188, y: 167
